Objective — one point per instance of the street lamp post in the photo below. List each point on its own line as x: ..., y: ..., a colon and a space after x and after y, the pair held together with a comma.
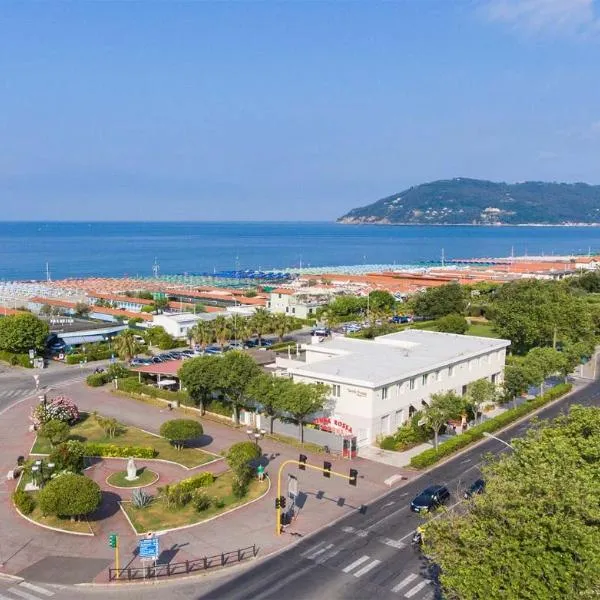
x: 493, y: 437
x: 255, y: 434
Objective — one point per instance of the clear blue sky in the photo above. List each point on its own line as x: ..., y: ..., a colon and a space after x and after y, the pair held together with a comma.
x: 287, y: 110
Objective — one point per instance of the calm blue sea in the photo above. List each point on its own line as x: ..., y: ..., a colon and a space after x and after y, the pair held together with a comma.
x: 116, y: 249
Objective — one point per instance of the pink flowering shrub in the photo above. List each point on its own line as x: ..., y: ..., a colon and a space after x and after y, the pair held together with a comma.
x: 61, y: 408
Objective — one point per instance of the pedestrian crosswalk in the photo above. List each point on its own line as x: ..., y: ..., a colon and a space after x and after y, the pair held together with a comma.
x: 363, y: 533
x: 25, y: 591
x: 411, y: 585
x: 15, y: 393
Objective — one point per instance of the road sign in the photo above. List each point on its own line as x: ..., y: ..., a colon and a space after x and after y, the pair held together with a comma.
x: 292, y: 486
x: 32, y: 354
x: 149, y: 548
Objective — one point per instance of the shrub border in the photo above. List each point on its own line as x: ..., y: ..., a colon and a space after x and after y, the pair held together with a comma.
x: 446, y: 449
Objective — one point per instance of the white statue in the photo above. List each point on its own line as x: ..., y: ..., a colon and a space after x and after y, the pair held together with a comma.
x: 131, y: 470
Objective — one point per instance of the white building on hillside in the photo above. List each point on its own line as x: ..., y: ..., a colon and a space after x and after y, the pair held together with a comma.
x: 378, y: 384
x: 179, y: 324
x: 302, y: 303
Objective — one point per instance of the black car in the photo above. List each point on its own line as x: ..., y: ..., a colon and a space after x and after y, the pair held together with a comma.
x: 430, y: 498
x: 477, y: 487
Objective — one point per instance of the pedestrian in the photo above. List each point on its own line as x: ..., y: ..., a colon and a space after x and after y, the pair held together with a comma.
x: 260, y: 470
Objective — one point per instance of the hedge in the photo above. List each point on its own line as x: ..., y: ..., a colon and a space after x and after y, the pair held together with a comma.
x: 21, y: 360
x: 131, y: 385
x: 24, y: 501
x: 111, y: 450
x: 75, y: 359
x: 96, y: 379
x: 193, y: 483
x: 431, y: 456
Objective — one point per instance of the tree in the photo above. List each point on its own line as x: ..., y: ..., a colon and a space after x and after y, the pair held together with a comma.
x: 533, y: 313
x: 125, y: 345
x: 436, y: 302
x: 181, y: 431
x: 303, y: 400
x: 55, y: 431
x: 68, y: 456
x: 260, y: 323
x: 573, y: 354
x: 541, y: 363
x: 481, y: 392
x: 515, y: 382
x: 82, y: 310
x: 69, y: 495
x: 269, y: 393
x: 203, y: 333
x: 201, y: 376
x: 160, y: 304
x: 131, y: 323
x: 117, y: 371
x: 381, y: 303
x: 23, y: 332
x: 281, y: 324
x: 239, y: 456
x: 237, y: 371
x: 46, y: 310
x: 223, y: 331
x: 534, y: 533
x: 452, y: 324
x: 343, y: 308
x: 443, y: 406
x: 242, y: 328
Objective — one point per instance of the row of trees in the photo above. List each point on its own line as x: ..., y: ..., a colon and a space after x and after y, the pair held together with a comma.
x: 239, y: 379
x: 378, y: 304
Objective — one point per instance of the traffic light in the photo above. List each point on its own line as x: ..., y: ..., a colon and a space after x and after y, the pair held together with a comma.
x: 353, y: 477
x: 302, y: 461
x: 112, y: 540
x: 326, y: 469
x: 282, y: 501
x: 278, y: 502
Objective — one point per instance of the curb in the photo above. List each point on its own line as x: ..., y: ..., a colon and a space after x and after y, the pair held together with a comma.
x: 130, y: 487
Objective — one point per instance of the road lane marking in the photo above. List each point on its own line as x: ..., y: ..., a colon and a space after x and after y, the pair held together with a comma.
x: 367, y: 568
x: 355, y: 564
x: 35, y: 588
x: 327, y: 556
x: 310, y: 550
x: 404, y: 582
x: 417, y: 588
x: 315, y: 554
x: 393, y: 543
x: 22, y: 594
x: 348, y: 529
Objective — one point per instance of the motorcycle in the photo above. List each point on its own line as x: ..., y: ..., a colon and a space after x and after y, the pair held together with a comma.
x: 417, y: 539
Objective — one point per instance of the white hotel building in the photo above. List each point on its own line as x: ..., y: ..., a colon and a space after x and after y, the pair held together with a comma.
x: 378, y: 384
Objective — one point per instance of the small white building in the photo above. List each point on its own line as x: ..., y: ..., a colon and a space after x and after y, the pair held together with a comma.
x: 377, y: 385
x: 179, y: 324
x: 302, y: 303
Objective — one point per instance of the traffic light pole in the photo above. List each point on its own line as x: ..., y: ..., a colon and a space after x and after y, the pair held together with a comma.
x: 301, y: 465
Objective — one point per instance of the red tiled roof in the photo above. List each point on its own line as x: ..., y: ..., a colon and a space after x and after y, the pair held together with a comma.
x: 170, y: 367
x: 52, y: 302
x: 7, y: 312
x: 118, y: 298
x: 105, y: 310
x: 285, y: 291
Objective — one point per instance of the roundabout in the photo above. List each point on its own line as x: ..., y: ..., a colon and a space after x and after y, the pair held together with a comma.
x: 145, y: 477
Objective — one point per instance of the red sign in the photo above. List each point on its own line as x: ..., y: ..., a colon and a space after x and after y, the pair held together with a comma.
x: 329, y: 424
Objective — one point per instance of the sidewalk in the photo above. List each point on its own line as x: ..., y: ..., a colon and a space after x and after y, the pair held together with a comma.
x: 50, y: 555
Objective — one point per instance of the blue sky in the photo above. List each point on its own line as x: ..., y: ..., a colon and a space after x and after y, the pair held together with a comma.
x: 287, y: 110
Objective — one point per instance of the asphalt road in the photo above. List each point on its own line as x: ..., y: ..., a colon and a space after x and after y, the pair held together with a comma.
x: 362, y: 556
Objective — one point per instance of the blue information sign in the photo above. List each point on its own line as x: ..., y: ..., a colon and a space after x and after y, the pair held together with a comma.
x: 149, y: 548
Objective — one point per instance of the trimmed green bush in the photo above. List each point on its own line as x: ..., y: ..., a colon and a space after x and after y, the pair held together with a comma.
x: 96, y: 379
x: 196, y: 481
x: 201, y: 502
x: 431, y: 456
x: 388, y: 443
x: 74, y: 359
x: 113, y: 451
x: 131, y: 385
x: 180, y: 431
x: 69, y: 495
x: 24, y: 502
x: 21, y: 360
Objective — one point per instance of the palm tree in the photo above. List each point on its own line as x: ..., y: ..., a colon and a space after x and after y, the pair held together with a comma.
x: 125, y: 345
x: 282, y: 324
x: 242, y: 329
x: 260, y: 323
x: 203, y: 333
x: 222, y: 329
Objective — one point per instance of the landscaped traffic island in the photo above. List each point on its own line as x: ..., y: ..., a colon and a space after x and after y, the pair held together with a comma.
x: 145, y: 477
x: 106, y: 437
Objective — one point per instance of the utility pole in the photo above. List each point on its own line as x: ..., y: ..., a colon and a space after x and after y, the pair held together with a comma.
x: 443, y: 258
x: 48, y: 272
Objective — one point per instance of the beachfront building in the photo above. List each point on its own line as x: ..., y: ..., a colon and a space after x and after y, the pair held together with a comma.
x: 179, y: 324
x: 302, y: 303
x: 121, y: 302
x: 377, y: 385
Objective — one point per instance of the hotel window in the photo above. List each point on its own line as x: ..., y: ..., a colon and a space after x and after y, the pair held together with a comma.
x: 384, y: 393
x: 424, y: 380
x: 412, y: 384
x: 451, y: 371
x: 336, y: 390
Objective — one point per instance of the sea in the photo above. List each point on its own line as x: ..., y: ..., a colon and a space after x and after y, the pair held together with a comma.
x: 31, y: 250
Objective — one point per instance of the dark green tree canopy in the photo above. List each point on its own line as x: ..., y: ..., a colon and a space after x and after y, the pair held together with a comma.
x: 180, y: 431
x: 70, y: 495
x: 535, y: 531
x: 452, y: 323
x: 23, y: 332
x: 436, y: 302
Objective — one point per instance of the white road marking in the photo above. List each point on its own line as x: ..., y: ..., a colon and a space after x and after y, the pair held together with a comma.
x: 311, y: 550
x: 347, y: 529
x: 315, y: 554
x: 35, y: 588
x: 417, y: 588
x: 22, y: 594
x: 362, y: 533
x: 404, y: 582
x: 355, y: 564
x: 327, y: 556
x: 388, y: 504
x: 367, y: 568
x: 393, y: 543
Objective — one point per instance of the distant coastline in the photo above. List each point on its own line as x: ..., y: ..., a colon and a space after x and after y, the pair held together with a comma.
x: 352, y: 222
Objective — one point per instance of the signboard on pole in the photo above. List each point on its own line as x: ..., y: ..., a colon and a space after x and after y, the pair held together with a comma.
x: 149, y: 548
x: 292, y: 487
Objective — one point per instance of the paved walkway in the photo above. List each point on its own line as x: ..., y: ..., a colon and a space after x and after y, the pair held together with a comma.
x: 23, y: 544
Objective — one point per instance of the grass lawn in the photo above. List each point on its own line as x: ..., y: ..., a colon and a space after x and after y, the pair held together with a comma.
x: 482, y: 330
x: 87, y: 430
x: 145, y: 477
x: 157, y: 516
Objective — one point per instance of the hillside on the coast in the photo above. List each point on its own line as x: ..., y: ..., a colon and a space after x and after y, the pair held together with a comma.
x: 474, y: 201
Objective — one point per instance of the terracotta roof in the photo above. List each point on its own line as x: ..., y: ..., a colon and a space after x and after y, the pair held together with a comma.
x: 169, y: 367
x: 285, y: 291
x: 7, y: 312
x: 118, y: 298
x: 53, y: 302
x: 105, y: 310
x: 256, y: 301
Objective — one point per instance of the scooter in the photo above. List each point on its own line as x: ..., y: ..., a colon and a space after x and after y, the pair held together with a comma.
x: 417, y: 539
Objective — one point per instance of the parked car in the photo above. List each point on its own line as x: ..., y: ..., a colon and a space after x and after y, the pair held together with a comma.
x: 187, y: 353
x: 430, y: 498
x: 251, y: 343
x: 157, y: 359
x: 267, y: 343
x: 321, y: 332
x: 400, y: 319
x: 213, y: 350
x: 477, y: 487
